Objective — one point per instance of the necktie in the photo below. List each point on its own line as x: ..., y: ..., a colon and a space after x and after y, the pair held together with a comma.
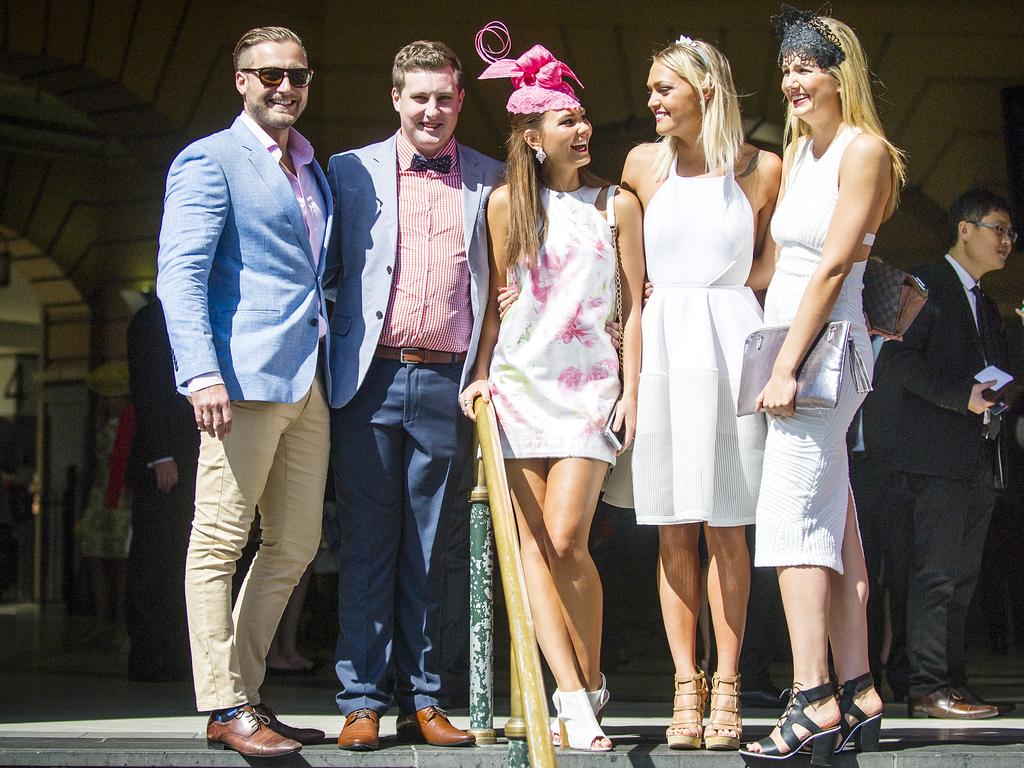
x: 441, y: 164
x: 993, y: 424
x: 984, y: 331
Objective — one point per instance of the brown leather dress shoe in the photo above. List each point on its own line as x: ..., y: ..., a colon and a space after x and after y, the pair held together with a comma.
x: 948, y: 703
x: 1004, y: 707
x: 248, y: 734
x: 361, y: 731
x: 304, y: 736
x: 431, y: 725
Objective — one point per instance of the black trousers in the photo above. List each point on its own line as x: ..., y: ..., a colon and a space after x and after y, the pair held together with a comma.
x: 950, y: 520
x: 884, y: 516
x: 1002, y: 600
x: 764, y: 613
x: 155, y: 588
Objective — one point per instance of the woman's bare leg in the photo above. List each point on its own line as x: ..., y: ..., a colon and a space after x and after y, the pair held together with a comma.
x: 848, y: 623
x: 679, y: 589
x: 728, y: 591
x: 805, y: 597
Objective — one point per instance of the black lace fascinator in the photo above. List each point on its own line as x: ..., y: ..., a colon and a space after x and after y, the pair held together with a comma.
x: 804, y: 34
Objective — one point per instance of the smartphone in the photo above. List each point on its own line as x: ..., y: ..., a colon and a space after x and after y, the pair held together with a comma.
x: 998, y: 408
x: 613, y: 437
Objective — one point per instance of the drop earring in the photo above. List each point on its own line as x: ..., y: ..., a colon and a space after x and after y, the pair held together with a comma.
x: 541, y: 155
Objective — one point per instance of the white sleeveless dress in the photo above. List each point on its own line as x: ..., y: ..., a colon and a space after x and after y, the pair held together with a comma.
x: 554, y: 376
x: 693, y: 459
x: 801, y: 512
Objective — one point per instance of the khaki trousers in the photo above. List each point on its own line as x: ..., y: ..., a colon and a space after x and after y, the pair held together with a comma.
x: 276, y: 457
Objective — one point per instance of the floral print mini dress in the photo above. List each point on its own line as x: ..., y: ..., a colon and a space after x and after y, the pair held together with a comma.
x: 554, y: 375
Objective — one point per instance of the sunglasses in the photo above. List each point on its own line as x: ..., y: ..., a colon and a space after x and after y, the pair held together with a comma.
x: 273, y: 76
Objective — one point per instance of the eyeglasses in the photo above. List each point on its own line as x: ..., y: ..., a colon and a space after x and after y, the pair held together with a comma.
x: 273, y: 76
x: 1000, y: 230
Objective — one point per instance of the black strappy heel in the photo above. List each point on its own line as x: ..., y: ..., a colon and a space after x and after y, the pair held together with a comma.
x: 865, y: 731
x: 821, y: 740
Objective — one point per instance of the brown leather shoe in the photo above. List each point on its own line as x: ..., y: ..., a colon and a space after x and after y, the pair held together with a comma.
x: 304, y: 736
x: 361, y: 731
x: 948, y: 703
x: 248, y: 734
x: 1004, y: 707
x: 431, y: 725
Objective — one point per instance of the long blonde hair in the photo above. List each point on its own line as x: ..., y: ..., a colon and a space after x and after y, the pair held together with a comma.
x: 527, y: 219
x: 721, y: 128
x: 858, y: 107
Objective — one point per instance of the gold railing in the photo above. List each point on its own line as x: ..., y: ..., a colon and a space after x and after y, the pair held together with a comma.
x: 525, y: 656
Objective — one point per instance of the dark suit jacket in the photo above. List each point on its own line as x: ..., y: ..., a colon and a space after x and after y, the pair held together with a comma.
x: 936, y: 363
x: 164, y: 421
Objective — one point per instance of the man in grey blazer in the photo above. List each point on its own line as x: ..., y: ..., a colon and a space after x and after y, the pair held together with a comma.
x: 409, y: 264
x: 242, y: 250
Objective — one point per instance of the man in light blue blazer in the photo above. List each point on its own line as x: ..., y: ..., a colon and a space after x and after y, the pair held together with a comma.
x: 409, y: 268
x: 242, y: 251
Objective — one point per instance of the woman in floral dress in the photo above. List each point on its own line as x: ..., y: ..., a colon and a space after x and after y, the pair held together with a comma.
x: 550, y: 368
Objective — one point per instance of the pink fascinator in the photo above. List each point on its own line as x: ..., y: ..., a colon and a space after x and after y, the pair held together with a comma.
x: 537, y: 76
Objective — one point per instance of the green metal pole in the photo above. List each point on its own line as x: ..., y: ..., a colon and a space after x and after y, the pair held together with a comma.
x: 481, y: 614
x: 515, y: 726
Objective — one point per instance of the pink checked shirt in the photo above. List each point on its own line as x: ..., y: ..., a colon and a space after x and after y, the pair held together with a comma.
x: 429, y: 305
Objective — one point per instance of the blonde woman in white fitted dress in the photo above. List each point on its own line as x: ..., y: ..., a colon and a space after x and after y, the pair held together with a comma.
x: 695, y: 464
x: 842, y: 180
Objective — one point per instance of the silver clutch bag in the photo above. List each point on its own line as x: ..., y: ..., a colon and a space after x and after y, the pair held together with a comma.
x: 820, y: 376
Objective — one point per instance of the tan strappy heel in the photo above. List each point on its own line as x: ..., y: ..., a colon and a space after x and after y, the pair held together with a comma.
x: 691, y: 694
x: 726, y: 712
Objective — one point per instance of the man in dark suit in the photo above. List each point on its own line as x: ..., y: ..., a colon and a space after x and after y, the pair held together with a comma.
x: 162, y: 473
x: 946, y: 449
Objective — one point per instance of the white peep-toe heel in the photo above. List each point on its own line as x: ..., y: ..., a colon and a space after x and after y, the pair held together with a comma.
x: 598, y: 701
x: 577, y: 724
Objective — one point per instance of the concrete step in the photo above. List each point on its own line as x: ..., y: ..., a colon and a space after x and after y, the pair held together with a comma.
x: 905, y: 744
x: 154, y: 753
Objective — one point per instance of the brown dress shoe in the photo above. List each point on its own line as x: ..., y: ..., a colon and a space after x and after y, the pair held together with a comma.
x: 1004, y: 707
x: 361, y: 731
x: 248, y: 734
x: 304, y: 736
x: 949, y: 703
x: 431, y: 725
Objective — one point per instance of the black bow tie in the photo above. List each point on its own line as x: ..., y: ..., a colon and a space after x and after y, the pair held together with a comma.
x: 440, y: 164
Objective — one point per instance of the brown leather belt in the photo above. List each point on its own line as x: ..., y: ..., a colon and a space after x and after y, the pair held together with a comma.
x: 418, y: 356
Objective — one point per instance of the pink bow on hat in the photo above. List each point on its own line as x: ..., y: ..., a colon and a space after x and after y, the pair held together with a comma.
x: 537, y: 76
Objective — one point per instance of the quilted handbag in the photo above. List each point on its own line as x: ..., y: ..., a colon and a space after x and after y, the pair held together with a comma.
x: 892, y: 299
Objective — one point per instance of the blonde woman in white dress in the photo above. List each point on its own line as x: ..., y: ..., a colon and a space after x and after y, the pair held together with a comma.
x: 842, y: 178
x: 707, y: 199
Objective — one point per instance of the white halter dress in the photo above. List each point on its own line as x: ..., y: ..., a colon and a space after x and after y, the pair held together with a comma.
x: 693, y: 459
